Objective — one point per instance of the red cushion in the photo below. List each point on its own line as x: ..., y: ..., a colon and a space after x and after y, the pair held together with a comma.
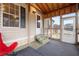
x: 2, y: 53
x: 4, y: 49
x: 11, y: 47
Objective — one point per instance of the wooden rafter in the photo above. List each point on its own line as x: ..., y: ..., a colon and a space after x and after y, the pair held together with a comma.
x: 48, y: 7
x: 45, y: 6
x: 40, y: 7
x: 60, y: 8
x: 34, y: 5
x: 54, y: 8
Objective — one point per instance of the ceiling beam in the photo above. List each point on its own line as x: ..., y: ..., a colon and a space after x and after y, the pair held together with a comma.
x: 40, y: 8
x: 45, y: 7
x: 60, y: 8
x: 48, y: 7
x: 34, y: 7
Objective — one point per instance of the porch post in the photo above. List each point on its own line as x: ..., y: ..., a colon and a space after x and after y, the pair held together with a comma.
x: 61, y: 27
x: 42, y: 25
x: 50, y: 26
x: 76, y: 24
x: 28, y: 22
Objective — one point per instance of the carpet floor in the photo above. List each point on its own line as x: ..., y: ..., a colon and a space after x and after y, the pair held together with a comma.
x: 52, y: 48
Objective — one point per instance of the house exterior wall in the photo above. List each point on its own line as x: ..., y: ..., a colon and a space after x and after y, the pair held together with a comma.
x: 33, y: 23
x: 24, y: 36
x: 11, y: 34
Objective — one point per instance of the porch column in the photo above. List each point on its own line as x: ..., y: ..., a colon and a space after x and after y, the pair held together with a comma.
x: 50, y: 26
x: 76, y: 23
x: 61, y: 27
x: 28, y: 16
x: 42, y: 25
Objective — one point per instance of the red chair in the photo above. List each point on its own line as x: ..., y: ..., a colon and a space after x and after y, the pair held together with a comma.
x: 4, y: 49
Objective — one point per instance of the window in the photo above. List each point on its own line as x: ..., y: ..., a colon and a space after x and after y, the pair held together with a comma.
x: 38, y: 21
x: 68, y: 24
x: 56, y: 27
x: 0, y: 14
x: 68, y: 21
x: 10, y: 15
x: 0, y: 7
x: 22, y: 17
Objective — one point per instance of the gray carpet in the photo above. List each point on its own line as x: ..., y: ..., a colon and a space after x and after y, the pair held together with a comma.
x: 28, y: 52
x: 52, y: 48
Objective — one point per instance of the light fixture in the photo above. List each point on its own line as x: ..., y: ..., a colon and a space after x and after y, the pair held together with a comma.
x: 33, y: 11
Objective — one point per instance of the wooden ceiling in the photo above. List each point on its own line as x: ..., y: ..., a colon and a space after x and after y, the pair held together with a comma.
x: 47, y: 8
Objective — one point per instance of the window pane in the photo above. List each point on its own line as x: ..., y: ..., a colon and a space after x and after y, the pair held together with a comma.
x: 11, y: 15
x: 12, y: 9
x: 0, y: 14
x: 0, y: 10
x: 17, y: 10
x: 38, y: 21
x: 16, y: 22
x: 0, y: 6
x: 12, y: 21
x: 6, y: 7
x: 68, y: 25
x: 56, y: 27
x: 6, y: 20
x: 23, y: 19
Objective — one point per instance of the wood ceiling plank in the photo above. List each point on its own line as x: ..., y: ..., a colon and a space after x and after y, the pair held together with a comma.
x: 36, y: 7
x: 41, y: 7
x: 50, y: 6
x: 61, y: 8
x: 64, y: 10
x: 46, y: 7
x: 55, y: 5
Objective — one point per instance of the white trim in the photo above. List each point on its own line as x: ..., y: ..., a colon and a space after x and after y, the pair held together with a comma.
x: 36, y: 23
x: 19, y: 40
x: 64, y: 38
x: 2, y: 19
x: 68, y: 17
x: 19, y: 17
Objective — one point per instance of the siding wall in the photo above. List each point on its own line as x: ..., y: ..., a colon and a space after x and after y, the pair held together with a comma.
x: 15, y: 34
x: 32, y: 23
x: 22, y: 35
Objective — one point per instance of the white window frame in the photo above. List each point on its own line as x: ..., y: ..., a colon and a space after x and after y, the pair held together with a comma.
x: 19, y: 17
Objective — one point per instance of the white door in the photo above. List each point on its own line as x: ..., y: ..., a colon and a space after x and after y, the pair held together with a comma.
x: 68, y: 30
x: 38, y: 25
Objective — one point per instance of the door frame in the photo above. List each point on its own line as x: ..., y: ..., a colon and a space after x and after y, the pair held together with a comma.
x: 36, y: 23
x: 75, y: 27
